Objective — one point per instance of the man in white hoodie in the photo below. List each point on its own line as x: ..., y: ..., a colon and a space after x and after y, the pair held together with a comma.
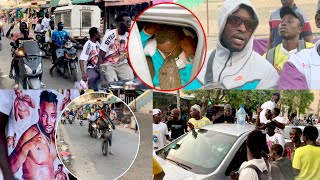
x: 234, y: 64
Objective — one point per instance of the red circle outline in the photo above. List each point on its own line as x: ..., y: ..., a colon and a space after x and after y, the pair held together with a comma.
x: 205, y: 47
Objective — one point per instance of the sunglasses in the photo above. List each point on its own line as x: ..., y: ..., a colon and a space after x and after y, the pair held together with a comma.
x: 236, y: 21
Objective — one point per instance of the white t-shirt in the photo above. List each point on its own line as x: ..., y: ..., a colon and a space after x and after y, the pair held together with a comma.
x: 275, y: 139
x: 267, y: 105
x: 282, y: 121
x: 92, y: 118
x: 113, y: 46
x: 46, y: 23
x: 38, y: 28
x: 90, y: 53
x: 249, y: 173
x: 17, y: 126
x: 159, y: 135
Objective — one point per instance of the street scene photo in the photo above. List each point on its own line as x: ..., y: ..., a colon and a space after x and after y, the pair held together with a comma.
x: 220, y: 134
x: 97, y: 136
x: 67, y: 44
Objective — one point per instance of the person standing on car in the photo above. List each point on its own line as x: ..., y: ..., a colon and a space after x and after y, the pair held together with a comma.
x: 90, y: 54
x: 306, y: 160
x: 257, y: 167
x: 59, y: 38
x: 160, y: 131
x: 175, y: 125
x: 226, y: 116
x: 197, y: 121
x: 113, y: 55
x: 269, y: 105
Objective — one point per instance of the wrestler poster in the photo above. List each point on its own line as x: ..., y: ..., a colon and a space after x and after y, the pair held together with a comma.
x: 33, y: 116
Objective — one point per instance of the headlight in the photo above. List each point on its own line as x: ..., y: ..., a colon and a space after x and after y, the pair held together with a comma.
x: 94, y: 125
x: 28, y: 69
x: 39, y: 69
x: 21, y: 53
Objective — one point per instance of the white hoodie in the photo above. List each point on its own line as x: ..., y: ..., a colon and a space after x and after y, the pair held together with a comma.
x: 244, y: 70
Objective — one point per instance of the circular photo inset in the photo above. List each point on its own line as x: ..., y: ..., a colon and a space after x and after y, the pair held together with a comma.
x: 97, y: 137
x: 167, y: 47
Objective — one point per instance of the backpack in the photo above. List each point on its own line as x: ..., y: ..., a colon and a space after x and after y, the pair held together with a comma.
x: 271, y: 53
x: 265, y: 175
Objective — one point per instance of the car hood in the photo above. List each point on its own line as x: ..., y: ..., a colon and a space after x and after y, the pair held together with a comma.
x: 173, y: 171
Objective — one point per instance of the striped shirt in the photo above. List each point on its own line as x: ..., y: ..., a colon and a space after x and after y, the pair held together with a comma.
x: 275, y: 21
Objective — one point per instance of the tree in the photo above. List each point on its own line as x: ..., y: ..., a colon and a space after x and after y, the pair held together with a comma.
x: 296, y: 101
x: 204, y: 97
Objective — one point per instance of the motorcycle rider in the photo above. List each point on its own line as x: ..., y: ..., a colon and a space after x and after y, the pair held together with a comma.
x: 51, y: 46
x: 92, y: 118
x: 23, y: 34
x: 59, y: 38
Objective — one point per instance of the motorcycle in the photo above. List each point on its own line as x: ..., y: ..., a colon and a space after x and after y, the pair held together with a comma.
x: 81, y: 122
x: 30, y: 65
x: 93, y: 129
x: 70, y: 60
x: 70, y: 119
x: 44, y: 46
x: 63, y: 120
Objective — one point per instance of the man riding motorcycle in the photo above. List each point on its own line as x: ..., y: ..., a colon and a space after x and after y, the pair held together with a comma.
x: 23, y: 34
x: 59, y: 38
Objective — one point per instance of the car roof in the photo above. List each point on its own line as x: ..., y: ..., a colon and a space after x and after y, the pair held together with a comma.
x: 232, y: 129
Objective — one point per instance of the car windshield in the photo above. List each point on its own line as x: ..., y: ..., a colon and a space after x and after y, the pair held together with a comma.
x: 200, y: 151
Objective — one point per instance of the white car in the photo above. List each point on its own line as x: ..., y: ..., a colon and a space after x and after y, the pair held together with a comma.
x: 212, y: 152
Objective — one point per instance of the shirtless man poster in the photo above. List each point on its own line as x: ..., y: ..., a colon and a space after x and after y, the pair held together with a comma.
x: 66, y: 100
x: 22, y: 104
x: 59, y: 174
x: 35, y: 150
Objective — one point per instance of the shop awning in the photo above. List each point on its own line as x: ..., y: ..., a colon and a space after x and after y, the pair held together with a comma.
x: 81, y: 1
x: 25, y: 5
x: 122, y: 2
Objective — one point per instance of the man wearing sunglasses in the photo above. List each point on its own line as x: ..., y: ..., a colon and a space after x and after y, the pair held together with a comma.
x: 301, y: 71
x: 275, y: 21
x: 234, y: 64
x: 290, y: 28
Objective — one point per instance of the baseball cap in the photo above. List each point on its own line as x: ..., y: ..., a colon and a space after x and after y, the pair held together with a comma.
x: 196, y: 107
x: 156, y: 111
x: 288, y: 10
x: 60, y: 24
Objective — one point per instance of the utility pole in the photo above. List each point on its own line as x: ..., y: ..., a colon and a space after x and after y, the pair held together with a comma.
x: 178, y: 99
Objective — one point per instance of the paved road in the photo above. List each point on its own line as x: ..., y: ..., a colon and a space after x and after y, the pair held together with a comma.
x: 56, y: 82
x: 142, y: 166
x: 87, y: 159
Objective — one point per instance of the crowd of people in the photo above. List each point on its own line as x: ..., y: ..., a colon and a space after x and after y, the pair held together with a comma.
x: 101, y: 61
x: 290, y: 59
x: 267, y: 147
